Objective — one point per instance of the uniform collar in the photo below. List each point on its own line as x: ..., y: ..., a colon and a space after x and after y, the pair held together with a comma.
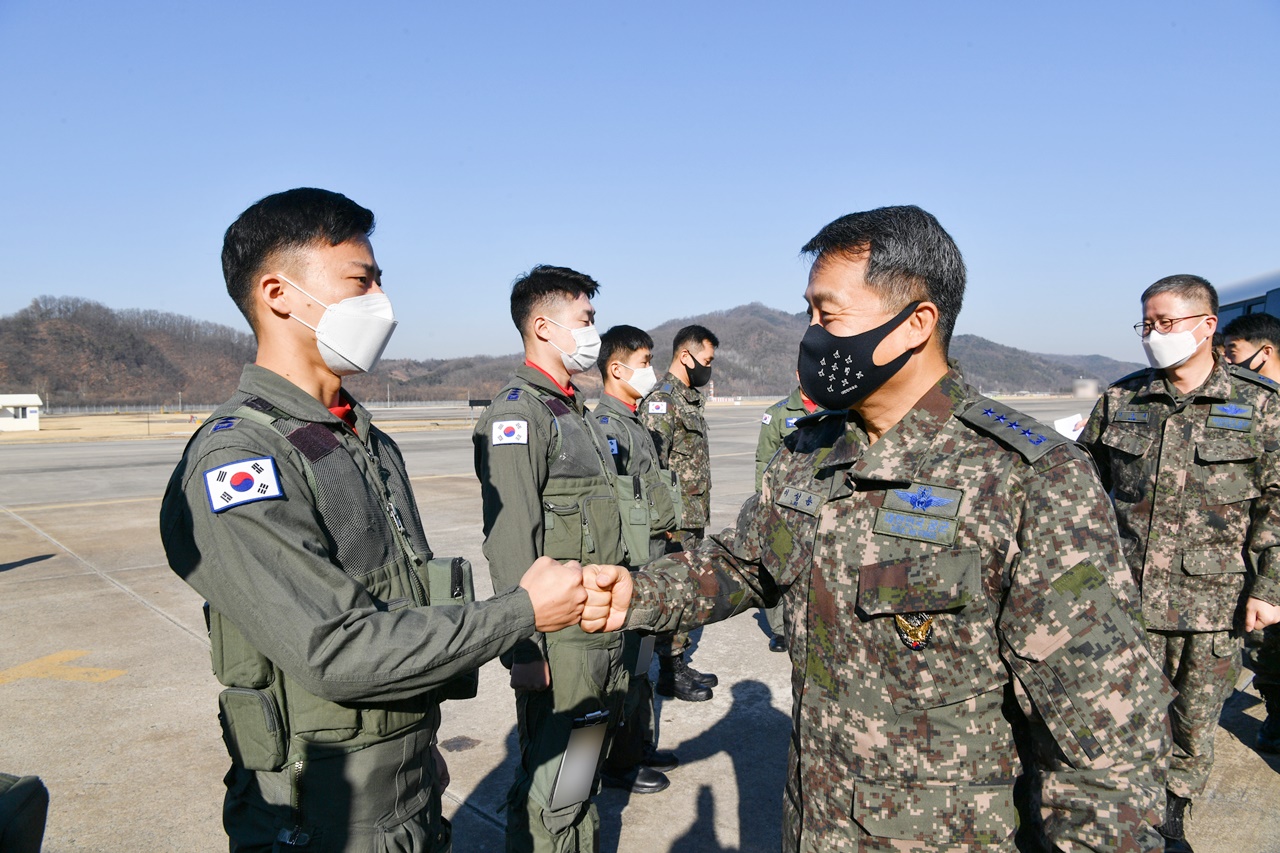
x: 796, y: 403
x: 293, y: 401
x: 901, y: 453
x: 1217, y: 386
x: 617, y: 406
x: 692, y: 395
x: 538, y: 378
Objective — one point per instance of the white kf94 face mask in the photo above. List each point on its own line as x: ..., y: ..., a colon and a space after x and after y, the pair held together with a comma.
x: 352, y: 334
x: 642, y: 379
x: 586, y: 348
x: 1170, y: 350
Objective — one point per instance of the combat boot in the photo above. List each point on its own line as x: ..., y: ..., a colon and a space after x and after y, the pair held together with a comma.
x: 1268, y: 739
x: 1175, y: 839
x: 706, y: 679
x: 675, y: 679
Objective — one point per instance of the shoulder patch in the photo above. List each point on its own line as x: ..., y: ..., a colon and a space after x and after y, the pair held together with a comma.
x: 790, y: 423
x: 242, y: 482
x: 513, y: 395
x: 766, y: 418
x: 224, y: 423
x: 604, y: 419
x: 1022, y: 432
x: 658, y: 407
x: 1255, y: 378
x: 510, y: 432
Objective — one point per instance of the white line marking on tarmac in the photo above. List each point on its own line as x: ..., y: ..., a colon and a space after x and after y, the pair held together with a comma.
x: 200, y: 637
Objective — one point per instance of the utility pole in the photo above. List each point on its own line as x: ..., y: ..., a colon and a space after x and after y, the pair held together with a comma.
x: 179, y: 402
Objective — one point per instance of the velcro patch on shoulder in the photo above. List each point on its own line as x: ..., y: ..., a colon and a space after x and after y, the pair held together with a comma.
x: 242, y: 482
x: 1022, y: 432
x: 510, y: 432
x: 224, y: 423
x: 798, y: 499
x: 658, y: 407
x: 314, y: 441
x: 513, y: 395
x: 766, y: 418
x: 604, y: 419
x: 557, y: 407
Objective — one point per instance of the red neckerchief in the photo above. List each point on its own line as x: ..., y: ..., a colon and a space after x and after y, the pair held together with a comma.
x: 568, y: 392
x: 809, y: 405
x: 623, y: 402
x: 344, y: 411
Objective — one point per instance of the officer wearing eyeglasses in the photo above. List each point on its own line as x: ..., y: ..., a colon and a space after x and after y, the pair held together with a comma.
x: 1189, y: 451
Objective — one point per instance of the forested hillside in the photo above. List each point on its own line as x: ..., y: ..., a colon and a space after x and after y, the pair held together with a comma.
x: 75, y: 352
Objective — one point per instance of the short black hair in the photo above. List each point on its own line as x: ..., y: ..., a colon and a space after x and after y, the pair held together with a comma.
x: 1192, y: 288
x: 910, y: 257
x: 1257, y: 329
x: 620, y: 342
x: 690, y: 335
x: 543, y: 283
x: 293, y: 219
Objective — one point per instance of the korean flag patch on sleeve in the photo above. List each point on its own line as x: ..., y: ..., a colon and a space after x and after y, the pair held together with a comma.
x: 510, y: 432
x: 242, y: 482
x: 658, y: 407
x: 766, y: 418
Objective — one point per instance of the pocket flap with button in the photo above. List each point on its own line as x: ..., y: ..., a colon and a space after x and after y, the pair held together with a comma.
x: 1226, y: 450
x: 1211, y: 561
x: 1126, y: 439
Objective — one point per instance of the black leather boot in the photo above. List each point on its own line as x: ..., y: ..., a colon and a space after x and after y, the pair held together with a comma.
x: 675, y: 680
x: 1268, y: 739
x: 706, y: 679
x: 1175, y: 839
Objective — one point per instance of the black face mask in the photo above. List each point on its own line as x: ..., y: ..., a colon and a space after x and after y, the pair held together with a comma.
x: 699, y: 374
x: 837, y: 372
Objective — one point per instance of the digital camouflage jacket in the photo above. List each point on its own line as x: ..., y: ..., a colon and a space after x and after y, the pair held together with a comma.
x: 956, y: 579
x: 673, y: 415
x: 1195, y: 480
x: 777, y: 422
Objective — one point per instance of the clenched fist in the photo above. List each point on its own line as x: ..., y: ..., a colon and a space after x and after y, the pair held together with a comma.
x: 556, y: 592
x: 608, y: 591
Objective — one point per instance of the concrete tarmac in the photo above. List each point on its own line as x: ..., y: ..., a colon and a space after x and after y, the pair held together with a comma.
x: 106, y: 691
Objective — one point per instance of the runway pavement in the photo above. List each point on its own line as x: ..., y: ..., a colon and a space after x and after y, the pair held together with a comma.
x: 106, y: 690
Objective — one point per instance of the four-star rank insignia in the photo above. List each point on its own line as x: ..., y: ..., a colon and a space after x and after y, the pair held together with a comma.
x: 914, y: 629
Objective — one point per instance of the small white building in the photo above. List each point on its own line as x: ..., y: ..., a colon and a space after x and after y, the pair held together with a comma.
x: 19, y: 412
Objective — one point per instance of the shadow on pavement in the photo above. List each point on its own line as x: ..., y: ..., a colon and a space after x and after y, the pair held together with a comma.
x: 17, y: 564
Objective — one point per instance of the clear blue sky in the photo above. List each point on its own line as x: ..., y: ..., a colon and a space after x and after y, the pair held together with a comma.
x: 680, y: 153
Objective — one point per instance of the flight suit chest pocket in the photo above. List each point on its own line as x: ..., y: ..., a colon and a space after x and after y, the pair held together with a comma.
x: 1225, y: 470
x: 927, y: 620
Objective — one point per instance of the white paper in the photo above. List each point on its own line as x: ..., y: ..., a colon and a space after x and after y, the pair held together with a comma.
x: 1067, y: 426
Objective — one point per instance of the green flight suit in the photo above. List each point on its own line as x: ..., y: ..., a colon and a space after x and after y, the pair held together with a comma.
x: 303, y: 535
x: 547, y: 486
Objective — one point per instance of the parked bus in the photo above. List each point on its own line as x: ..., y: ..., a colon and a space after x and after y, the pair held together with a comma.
x: 1249, y: 297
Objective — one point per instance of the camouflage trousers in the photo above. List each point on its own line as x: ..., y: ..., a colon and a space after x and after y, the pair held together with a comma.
x: 1203, y: 668
x: 586, y: 676
x: 673, y: 645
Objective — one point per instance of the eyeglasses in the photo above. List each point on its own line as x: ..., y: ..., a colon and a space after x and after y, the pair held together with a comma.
x: 1165, y: 324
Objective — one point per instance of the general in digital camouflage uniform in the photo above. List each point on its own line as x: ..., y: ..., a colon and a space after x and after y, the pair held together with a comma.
x: 292, y: 514
x: 778, y: 422
x: 1188, y: 452
x: 673, y: 415
x: 961, y: 611
x: 547, y: 485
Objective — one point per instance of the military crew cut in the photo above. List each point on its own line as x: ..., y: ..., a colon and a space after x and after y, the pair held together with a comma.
x: 620, y: 342
x: 1192, y: 288
x: 910, y: 257
x: 531, y: 292
x: 687, y: 337
x: 293, y: 219
x: 1257, y: 329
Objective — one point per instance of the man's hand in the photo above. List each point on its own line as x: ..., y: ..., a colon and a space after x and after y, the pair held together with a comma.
x: 556, y: 592
x: 1258, y: 614
x: 534, y: 675
x: 608, y: 598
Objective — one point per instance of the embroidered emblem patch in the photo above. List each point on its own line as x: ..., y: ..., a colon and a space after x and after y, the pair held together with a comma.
x: 766, y: 418
x: 806, y: 502
x: 921, y: 497
x: 242, y: 482
x: 1132, y: 417
x: 914, y: 525
x: 225, y: 423
x: 513, y: 395
x: 510, y: 432
x: 658, y: 407
x: 1232, y: 410
x: 1009, y: 422
x: 613, y: 446
x: 914, y: 629
x: 604, y: 419
x: 791, y: 422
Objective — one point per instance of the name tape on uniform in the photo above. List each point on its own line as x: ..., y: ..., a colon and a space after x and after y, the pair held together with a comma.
x: 658, y: 407
x: 510, y: 432
x: 242, y: 482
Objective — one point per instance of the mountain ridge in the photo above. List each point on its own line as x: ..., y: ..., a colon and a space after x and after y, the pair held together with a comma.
x: 74, y: 352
